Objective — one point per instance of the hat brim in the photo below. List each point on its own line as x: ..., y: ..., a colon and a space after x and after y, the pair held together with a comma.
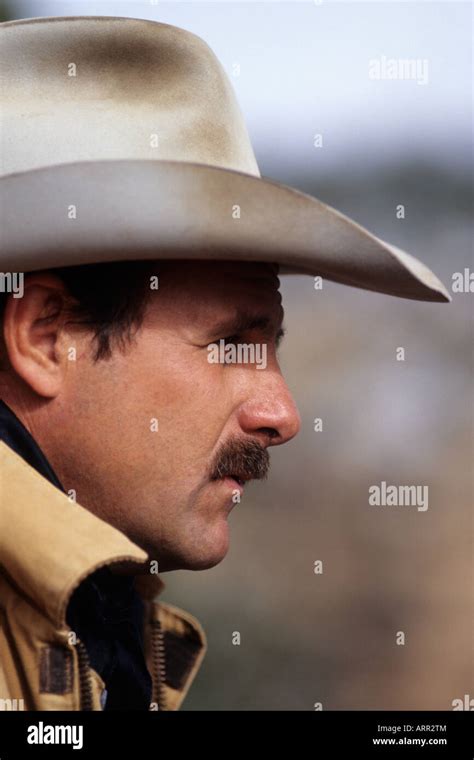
x: 99, y: 211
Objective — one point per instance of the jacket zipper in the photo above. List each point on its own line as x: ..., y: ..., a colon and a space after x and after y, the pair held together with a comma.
x: 159, y: 666
x: 85, y: 681
x: 158, y: 676
x: 85, y: 685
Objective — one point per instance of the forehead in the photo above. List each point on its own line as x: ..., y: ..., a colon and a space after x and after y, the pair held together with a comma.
x: 196, y: 292
x: 227, y: 273
x: 220, y: 281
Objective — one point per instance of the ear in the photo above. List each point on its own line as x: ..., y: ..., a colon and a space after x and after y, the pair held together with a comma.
x: 34, y: 336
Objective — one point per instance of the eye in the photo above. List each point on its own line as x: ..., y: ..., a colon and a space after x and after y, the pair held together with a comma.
x: 231, y: 339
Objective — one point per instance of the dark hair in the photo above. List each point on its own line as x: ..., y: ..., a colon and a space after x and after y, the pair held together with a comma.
x: 109, y: 299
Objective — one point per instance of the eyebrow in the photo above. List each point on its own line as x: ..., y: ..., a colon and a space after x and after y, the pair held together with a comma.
x: 243, y: 321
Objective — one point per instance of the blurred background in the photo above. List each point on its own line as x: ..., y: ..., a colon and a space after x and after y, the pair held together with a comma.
x: 331, y: 638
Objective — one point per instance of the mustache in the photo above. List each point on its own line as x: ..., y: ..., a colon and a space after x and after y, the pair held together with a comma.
x: 247, y: 460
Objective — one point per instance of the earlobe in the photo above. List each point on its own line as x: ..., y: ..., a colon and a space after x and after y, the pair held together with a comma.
x: 33, y: 334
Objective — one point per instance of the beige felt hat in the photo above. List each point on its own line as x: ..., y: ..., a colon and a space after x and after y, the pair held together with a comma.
x: 122, y: 139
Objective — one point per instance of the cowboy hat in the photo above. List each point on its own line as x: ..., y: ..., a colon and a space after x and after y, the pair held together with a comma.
x: 123, y: 139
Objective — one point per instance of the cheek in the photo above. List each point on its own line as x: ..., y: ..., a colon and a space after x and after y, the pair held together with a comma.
x: 187, y: 391
x: 193, y: 407
x: 161, y: 403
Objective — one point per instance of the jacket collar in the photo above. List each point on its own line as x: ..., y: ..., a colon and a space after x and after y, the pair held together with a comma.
x: 50, y: 544
x: 18, y: 438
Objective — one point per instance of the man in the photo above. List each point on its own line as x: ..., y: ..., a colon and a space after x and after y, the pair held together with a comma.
x: 140, y: 387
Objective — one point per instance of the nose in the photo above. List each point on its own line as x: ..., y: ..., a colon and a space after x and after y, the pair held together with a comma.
x: 270, y: 413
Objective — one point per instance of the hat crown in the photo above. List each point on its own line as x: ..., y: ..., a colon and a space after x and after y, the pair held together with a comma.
x: 91, y: 89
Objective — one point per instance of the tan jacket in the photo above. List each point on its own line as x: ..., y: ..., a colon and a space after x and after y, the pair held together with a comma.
x: 48, y: 546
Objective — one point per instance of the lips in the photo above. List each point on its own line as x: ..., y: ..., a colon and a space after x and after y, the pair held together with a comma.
x: 236, y: 482
x: 240, y: 479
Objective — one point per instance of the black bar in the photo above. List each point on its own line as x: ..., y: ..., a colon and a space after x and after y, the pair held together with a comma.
x: 317, y: 734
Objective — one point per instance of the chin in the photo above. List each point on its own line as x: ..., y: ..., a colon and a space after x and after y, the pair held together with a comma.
x: 199, y: 552
x: 205, y: 557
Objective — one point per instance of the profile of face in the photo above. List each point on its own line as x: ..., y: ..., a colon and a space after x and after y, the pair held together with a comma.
x: 157, y: 439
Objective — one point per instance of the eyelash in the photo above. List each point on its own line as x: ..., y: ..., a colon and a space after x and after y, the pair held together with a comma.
x: 237, y: 338
x: 231, y: 339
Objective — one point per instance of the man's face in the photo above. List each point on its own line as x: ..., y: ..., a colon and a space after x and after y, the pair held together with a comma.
x: 150, y: 438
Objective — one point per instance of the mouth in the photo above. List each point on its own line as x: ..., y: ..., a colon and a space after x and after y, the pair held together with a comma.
x: 236, y: 482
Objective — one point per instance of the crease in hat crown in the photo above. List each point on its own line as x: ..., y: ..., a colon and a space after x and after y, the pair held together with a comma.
x: 116, y: 88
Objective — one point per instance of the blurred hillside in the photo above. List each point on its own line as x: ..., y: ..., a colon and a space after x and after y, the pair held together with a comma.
x: 6, y: 13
